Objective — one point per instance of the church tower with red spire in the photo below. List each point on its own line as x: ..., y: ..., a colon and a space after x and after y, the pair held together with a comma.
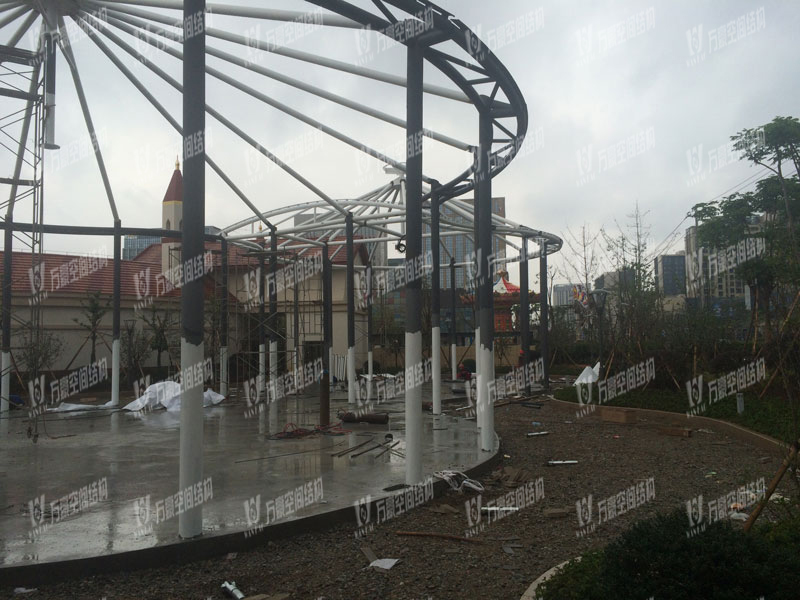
x: 172, y: 218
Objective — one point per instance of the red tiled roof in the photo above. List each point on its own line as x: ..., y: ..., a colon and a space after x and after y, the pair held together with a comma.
x: 81, y: 274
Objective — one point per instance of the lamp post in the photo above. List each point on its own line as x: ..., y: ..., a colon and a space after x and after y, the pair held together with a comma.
x: 599, y: 297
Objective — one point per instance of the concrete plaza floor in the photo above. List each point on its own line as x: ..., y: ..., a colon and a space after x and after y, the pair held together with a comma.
x: 132, y: 456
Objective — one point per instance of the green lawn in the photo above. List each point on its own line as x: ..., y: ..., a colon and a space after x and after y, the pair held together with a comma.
x: 771, y: 415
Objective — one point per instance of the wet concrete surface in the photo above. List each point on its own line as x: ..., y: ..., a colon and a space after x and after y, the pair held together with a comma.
x: 131, y: 456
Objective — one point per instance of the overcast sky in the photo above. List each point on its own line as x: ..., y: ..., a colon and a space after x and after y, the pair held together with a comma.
x: 666, y: 84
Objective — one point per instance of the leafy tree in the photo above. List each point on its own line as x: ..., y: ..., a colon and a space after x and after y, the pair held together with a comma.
x: 159, y: 326
x: 40, y: 349
x: 93, y: 311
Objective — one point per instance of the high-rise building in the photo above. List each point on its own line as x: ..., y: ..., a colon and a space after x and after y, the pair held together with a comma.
x: 377, y: 250
x: 133, y: 245
x: 564, y: 293
x: 460, y: 247
x: 706, y: 282
x: 669, y: 271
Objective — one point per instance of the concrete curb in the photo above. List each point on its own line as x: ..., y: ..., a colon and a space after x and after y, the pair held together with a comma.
x: 661, y: 417
x: 530, y: 593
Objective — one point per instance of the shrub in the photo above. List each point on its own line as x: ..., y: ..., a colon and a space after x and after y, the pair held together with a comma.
x: 656, y: 558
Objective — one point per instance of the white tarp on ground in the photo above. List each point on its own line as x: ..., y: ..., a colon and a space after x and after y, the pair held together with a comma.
x: 589, y: 375
x: 67, y: 407
x: 168, y: 395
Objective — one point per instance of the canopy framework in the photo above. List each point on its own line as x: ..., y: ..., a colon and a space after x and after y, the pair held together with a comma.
x: 395, y: 213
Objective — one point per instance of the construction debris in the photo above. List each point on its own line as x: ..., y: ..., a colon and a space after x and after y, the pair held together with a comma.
x: 384, y: 564
x: 443, y: 509
x: 675, y: 431
x: 371, y: 418
x: 557, y: 513
x: 615, y: 414
x: 458, y: 481
x: 444, y: 536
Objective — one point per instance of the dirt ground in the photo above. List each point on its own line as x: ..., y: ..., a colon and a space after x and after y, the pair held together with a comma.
x: 331, y: 565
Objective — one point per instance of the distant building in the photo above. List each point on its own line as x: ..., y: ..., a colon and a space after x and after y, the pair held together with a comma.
x: 564, y: 294
x: 706, y: 282
x: 670, y: 274
x: 460, y: 246
x: 133, y: 245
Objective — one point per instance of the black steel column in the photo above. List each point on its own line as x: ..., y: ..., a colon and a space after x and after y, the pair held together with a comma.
x: 543, y: 325
x: 223, y: 325
x: 325, y: 386
x: 368, y: 302
x: 524, y: 310
x: 436, y: 331
x: 483, y: 197
x: 115, y: 349
x: 6, y: 355
x: 454, y: 318
x: 273, y: 306
x: 413, y: 338
x: 262, y: 327
x: 351, y: 312
x: 296, y: 325
x: 194, y: 125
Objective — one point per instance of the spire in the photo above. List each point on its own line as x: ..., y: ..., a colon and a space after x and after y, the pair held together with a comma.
x: 177, y: 163
x: 174, y: 191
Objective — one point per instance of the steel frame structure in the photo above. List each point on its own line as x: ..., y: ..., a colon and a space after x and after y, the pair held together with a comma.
x: 431, y: 36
